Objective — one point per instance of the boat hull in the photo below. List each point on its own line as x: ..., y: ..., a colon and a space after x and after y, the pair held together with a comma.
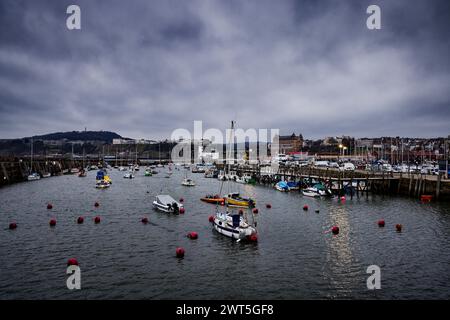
x: 213, y: 200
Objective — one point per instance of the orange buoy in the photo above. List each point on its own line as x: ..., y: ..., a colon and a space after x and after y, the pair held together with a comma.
x: 398, y: 227
x: 96, y: 204
x: 144, y: 220
x: 72, y: 262
x: 12, y: 226
x: 211, y: 219
x: 80, y: 220
x: 305, y: 207
x: 49, y: 206
x: 192, y: 235
x: 381, y: 223
x: 52, y: 222
x: 335, y: 230
x: 255, y: 211
x: 97, y: 219
x: 182, y: 210
x: 268, y: 206
x: 179, y: 252
x: 181, y: 200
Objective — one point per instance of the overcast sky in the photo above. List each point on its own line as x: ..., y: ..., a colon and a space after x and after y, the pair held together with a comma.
x: 145, y: 68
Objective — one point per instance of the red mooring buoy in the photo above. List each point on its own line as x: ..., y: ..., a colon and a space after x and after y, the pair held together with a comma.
x: 335, y: 230
x: 12, y: 226
x: 305, y: 207
x: 179, y: 252
x: 192, y: 235
x: 49, y: 206
x: 80, y: 220
x: 96, y: 204
x: 255, y: 211
x: 398, y: 227
x: 181, y: 200
x: 72, y: 262
x: 268, y: 206
x: 52, y: 222
x: 253, y: 238
x: 381, y: 223
x: 97, y: 219
x: 144, y: 220
x: 211, y: 219
x: 343, y: 198
x: 182, y: 210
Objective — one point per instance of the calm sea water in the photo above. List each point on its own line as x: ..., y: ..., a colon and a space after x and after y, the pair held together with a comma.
x: 295, y: 257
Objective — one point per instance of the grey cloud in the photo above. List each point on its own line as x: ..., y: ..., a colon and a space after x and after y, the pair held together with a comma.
x: 145, y: 68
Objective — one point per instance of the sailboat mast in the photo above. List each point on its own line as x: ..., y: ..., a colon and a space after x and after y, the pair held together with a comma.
x: 31, y: 164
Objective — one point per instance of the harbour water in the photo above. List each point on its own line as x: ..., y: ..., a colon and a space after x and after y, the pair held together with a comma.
x: 295, y: 257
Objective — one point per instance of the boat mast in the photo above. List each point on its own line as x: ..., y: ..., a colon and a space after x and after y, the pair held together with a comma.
x: 31, y: 164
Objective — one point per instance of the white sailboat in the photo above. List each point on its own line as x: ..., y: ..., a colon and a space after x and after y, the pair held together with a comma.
x: 33, y: 175
x: 235, y: 225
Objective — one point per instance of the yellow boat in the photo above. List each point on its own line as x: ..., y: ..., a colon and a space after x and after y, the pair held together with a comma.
x: 235, y: 200
x: 107, y: 179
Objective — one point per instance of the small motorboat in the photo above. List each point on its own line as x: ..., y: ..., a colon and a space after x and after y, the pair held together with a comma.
x: 148, y: 172
x: 311, y: 192
x: 235, y: 200
x: 102, y: 184
x: 128, y: 175
x: 216, y: 199
x: 166, y: 203
x: 46, y: 175
x: 33, y: 177
x: 82, y: 173
x: 292, y: 185
x: 282, y: 186
x: 188, y: 182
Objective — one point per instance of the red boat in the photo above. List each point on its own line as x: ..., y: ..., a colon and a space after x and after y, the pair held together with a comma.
x: 216, y: 199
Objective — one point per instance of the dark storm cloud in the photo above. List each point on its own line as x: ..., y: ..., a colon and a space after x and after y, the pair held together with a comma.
x: 145, y: 68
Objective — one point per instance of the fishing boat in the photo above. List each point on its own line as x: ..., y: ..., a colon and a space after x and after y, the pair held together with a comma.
x: 188, y: 182
x: 216, y: 199
x: 282, y: 186
x: 166, y: 203
x: 234, y: 226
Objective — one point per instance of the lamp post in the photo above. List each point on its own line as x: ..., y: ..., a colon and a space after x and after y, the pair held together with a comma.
x: 340, y: 150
